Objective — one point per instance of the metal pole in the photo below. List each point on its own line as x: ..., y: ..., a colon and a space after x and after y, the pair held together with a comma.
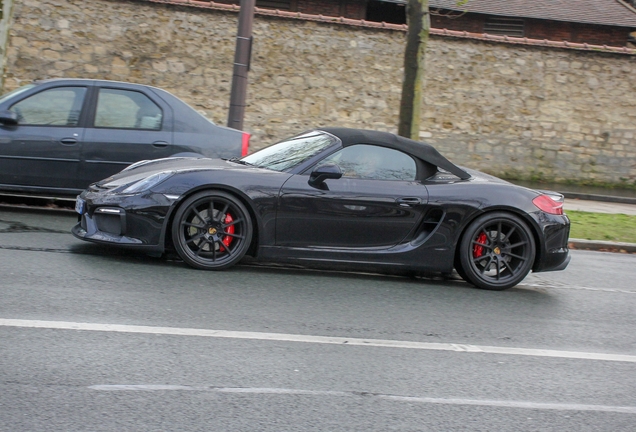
x: 242, y: 57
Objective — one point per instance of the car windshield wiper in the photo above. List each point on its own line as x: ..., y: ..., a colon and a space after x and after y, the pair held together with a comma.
x: 239, y: 161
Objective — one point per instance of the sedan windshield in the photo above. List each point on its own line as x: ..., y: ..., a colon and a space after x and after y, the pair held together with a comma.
x: 16, y: 92
x: 291, y: 152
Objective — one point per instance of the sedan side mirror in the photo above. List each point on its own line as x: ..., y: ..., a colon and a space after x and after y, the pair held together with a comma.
x: 322, y: 173
x: 8, y: 118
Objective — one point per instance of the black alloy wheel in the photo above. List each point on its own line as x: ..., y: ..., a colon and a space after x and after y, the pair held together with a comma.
x: 212, y: 230
x: 497, y: 251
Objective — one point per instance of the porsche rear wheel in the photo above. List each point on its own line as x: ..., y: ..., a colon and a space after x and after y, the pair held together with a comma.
x: 497, y: 251
x: 212, y: 230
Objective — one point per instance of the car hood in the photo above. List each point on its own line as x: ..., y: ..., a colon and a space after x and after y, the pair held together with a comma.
x: 143, y: 169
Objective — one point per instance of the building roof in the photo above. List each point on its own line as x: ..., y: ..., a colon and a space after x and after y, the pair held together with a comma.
x: 601, y: 12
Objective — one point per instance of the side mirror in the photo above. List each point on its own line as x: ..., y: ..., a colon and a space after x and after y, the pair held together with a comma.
x: 8, y: 118
x: 322, y: 173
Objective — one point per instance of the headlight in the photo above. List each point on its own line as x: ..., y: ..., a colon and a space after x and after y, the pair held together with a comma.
x: 147, y: 183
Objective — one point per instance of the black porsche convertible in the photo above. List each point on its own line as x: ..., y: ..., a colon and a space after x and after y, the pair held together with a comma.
x: 343, y: 198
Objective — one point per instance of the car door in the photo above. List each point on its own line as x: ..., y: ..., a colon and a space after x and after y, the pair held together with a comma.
x: 376, y: 204
x: 43, y: 150
x: 126, y: 125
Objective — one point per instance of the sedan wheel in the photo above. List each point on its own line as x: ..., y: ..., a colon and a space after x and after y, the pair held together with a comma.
x: 496, y: 252
x: 212, y: 230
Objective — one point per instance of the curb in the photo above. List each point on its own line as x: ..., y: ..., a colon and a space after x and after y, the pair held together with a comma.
x: 60, y: 210
x: 602, y: 198
x: 602, y: 246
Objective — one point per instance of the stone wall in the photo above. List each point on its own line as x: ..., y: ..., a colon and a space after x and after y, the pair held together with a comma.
x: 512, y: 110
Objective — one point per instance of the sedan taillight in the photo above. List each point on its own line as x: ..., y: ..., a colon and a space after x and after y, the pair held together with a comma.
x: 245, y: 144
x: 549, y: 205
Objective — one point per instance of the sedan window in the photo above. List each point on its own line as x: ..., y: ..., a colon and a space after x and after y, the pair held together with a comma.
x: 373, y: 162
x: 124, y: 109
x: 60, y: 106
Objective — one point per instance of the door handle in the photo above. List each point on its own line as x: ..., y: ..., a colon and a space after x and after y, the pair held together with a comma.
x: 68, y: 141
x: 160, y: 144
x: 408, y: 201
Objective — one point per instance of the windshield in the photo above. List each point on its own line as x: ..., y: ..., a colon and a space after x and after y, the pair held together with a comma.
x: 15, y: 92
x: 291, y: 152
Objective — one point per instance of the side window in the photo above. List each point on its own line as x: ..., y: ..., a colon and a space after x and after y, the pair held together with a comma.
x: 126, y: 109
x: 60, y: 106
x: 373, y: 162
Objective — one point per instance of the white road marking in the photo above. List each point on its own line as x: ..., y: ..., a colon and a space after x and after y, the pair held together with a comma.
x: 408, y: 399
x: 282, y: 337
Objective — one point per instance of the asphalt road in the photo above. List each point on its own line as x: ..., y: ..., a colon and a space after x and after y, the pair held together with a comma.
x: 96, y: 339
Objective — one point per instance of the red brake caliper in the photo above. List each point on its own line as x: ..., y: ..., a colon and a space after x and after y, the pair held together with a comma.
x: 478, y: 250
x: 230, y: 230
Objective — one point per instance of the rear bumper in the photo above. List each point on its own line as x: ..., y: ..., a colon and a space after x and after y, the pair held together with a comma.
x: 553, y: 251
x: 555, y: 262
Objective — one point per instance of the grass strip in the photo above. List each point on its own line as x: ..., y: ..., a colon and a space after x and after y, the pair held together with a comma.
x: 602, y: 226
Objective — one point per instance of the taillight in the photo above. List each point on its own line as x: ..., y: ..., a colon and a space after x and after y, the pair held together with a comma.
x: 547, y: 204
x: 245, y: 144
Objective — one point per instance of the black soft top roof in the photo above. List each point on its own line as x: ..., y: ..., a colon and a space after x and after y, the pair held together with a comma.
x: 420, y: 150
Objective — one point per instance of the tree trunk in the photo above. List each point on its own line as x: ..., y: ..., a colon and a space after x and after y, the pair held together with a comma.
x: 416, y: 40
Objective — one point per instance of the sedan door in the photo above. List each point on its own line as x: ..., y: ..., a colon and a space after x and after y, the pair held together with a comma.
x: 374, y: 205
x: 42, y: 152
x: 126, y: 125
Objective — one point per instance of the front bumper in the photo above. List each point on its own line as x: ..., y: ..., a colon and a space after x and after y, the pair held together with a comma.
x: 135, y: 221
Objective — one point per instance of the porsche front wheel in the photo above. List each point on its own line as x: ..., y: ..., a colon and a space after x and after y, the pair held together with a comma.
x: 212, y: 230
x: 497, y: 251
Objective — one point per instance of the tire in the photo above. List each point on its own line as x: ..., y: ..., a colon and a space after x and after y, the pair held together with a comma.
x: 212, y: 230
x: 496, y: 252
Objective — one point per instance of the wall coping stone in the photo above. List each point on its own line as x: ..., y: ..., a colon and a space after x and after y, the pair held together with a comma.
x: 401, y: 27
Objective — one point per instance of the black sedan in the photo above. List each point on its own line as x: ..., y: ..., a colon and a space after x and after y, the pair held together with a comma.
x: 343, y: 198
x: 58, y: 136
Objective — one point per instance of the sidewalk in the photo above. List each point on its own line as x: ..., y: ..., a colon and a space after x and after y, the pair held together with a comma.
x: 605, y: 206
